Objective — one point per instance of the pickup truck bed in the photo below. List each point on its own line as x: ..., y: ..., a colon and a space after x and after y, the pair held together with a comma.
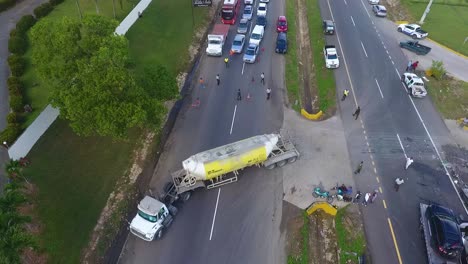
x: 432, y: 256
x: 415, y: 47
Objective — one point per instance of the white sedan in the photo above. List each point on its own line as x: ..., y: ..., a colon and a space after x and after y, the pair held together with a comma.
x: 374, y: 2
x: 262, y: 9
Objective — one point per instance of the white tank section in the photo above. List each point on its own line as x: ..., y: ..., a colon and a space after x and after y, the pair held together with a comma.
x: 231, y: 157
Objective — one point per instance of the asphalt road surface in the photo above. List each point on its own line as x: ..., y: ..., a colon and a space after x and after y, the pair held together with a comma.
x: 240, y: 222
x: 391, y: 126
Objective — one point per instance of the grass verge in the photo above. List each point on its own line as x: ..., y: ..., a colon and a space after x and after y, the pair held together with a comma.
x: 74, y: 176
x: 325, y: 79
x: 449, y: 96
x: 350, y: 236
x: 291, y: 67
x: 303, y: 258
x: 441, y: 20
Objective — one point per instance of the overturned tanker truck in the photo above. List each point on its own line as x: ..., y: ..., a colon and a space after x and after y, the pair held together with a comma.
x: 210, y: 169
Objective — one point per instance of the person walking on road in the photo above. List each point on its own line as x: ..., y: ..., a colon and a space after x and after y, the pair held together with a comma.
x: 357, y: 112
x: 359, y: 168
x: 414, y: 65
x: 373, y: 196
x: 366, y: 199
x: 409, y: 161
x: 398, y: 181
x: 262, y: 78
x: 345, y: 94
x: 410, y: 64
x: 226, y: 62
x: 202, y: 83
x: 268, y: 92
x: 357, y: 197
x: 239, y: 95
x: 218, y: 81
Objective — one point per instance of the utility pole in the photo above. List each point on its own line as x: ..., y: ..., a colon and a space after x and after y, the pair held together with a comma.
x: 428, y: 8
x: 79, y: 9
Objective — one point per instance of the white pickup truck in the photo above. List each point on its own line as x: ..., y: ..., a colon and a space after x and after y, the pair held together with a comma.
x: 412, y: 30
x: 331, y: 57
x: 414, y: 84
x: 216, y: 40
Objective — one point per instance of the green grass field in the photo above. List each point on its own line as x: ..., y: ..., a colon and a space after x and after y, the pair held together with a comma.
x: 325, y: 80
x: 291, y: 67
x: 450, y: 97
x: 350, y: 239
x: 74, y: 176
x: 447, y: 22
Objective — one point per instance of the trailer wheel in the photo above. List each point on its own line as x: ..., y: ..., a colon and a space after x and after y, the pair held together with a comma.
x: 281, y: 163
x: 271, y: 166
x: 292, y: 159
x: 159, y: 234
x: 186, y: 196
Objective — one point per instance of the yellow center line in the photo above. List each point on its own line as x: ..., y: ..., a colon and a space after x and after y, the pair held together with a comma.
x: 384, y: 204
x: 378, y: 181
x: 394, y: 241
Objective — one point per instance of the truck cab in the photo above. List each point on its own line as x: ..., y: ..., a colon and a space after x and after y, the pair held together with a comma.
x: 414, y: 85
x: 152, y: 217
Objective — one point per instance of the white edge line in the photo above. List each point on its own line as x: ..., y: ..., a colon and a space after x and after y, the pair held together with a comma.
x: 398, y: 73
x: 362, y: 45
x: 381, y: 94
x: 401, y: 145
x: 233, y: 118
x: 243, y: 65
x: 345, y: 2
x: 352, y: 20
x: 214, y: 215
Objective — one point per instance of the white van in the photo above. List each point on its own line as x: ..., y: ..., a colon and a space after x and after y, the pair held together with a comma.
x: 257, y: 35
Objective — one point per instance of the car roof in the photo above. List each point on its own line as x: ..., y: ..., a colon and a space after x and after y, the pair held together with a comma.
x: 252, y: 46
x: 451, y: 232
x: 281, y: 18
x: 442, y: 211
x: 247, y: 7
x: 262, y: 4
x: 329, y: 22
x: 244, y: 20
x: 381, y: 7
x: 239, y: 37
x: 257, y: 29
x: 281, y: 35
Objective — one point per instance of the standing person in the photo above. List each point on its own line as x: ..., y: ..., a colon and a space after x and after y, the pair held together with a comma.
x: 373, y: 196
x: 239, y: 96
x: 366, y: 199
x: 345, y: 94
x: 399, y: 181
x: 410, y: 64
x: 262, y: 78
x: 357, y: 112
x: 226, y: 62
x: 268, y: 91
x: 409, y: 161
x: 359, y: 168
x: 218, y: 81
x: 202, y: 83
x: 415, y: 65
x: 357, y: 197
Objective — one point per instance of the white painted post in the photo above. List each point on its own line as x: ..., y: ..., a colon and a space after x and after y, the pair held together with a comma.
x: 428, y: 8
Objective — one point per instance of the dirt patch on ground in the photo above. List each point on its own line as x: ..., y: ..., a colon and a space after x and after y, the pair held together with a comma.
x: 457, y: 158
x: 350, y: 235
x: 396, y: 11
x: 322, y: 239
x: 304, y: 54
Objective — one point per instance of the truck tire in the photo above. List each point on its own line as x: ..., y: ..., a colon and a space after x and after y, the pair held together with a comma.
x: 292, y: 159
x: 159, y: 234
x: 281, y: 163
x: 399, y: 30
x: 186, y: 196
x: 271, y: 166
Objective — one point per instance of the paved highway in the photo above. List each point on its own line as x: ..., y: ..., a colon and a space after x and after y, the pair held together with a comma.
x: 240, y: 222
x: 391, y: 126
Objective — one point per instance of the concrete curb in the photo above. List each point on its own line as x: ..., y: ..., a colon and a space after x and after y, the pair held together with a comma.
x: 447, y: 48
x: 326, y: 207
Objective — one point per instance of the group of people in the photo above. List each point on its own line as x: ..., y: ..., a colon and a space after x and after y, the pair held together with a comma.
x: 368, y: 197
x: 412, y: 66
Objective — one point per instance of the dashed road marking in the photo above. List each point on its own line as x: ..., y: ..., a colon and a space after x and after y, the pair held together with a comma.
x: 380, y: 90
x: 365, y: 53
x: 214, y: 214
x: 352, y: 20
x: 233, y: 117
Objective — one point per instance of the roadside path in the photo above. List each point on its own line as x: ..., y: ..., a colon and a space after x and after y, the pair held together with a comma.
x: 8, y: 21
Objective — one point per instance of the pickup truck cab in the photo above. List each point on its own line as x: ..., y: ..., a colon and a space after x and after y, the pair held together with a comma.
x: 414, y: 85
x: 412, y: 30
x: 415, y: 47
x: 331, y: 57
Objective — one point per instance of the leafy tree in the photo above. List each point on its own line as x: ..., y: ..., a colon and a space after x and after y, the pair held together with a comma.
x: 11, y: 200
x: 159, y: 83
x: 25, y: 23
x: 14, y: 237
x: 17, y: 45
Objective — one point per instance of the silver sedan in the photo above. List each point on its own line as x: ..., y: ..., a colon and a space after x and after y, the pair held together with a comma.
x: 250, y: 55
x: 247, y: 12
x: 238, y: 43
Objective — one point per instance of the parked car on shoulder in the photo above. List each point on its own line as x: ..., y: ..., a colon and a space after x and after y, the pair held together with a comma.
x: 238, y: 43
x: 282, y: 24
x: 281, y: 43
x: 379, y: 10
x: 250, y: 55
x: 374, y: 2
x: 262, y: 21
x: 415, y: 47
x: 247, y: 12
x: 257, y: 35
x: 262, y: 9
x: 243, y: 27
x: 328, y: 27
x: 331, y: 57
x: 413, y: 30
x: 414, y: 85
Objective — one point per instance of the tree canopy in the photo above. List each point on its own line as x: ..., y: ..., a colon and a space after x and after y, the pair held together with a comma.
x: 89, y: 70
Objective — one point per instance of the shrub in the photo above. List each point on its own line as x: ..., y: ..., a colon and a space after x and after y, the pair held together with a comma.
x: 5, y: 4
x: 13, y: 32
x: 25, y: 23
x: 55, y: 2
x: 438, y: 69
x: 16, y: 103
x: 12, y: 118
x: 17, y: 65
x: 43, y: 10
x: 12, y: 80
x: 11, y: 133
x: 14, y: 85
x: 17, y: 45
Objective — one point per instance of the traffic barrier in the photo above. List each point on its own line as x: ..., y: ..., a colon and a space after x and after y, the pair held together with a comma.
x: 399, y: 22
x: 326, y: 207
x: 316, y: 116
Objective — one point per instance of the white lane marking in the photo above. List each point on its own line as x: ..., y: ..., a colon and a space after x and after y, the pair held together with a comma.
x: 366, y: 10
x: 401, y: 145
x: 381, y: 94
x: 345, y: 2
x: 397, y: 72
x: 344, y: 58
x: 352, y: 20
x: 243, y: 65
x: 214, y: 215
x: 362, y: 45
x: 233, y: 117
x: 393, y: 62
x: 387, y: 52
